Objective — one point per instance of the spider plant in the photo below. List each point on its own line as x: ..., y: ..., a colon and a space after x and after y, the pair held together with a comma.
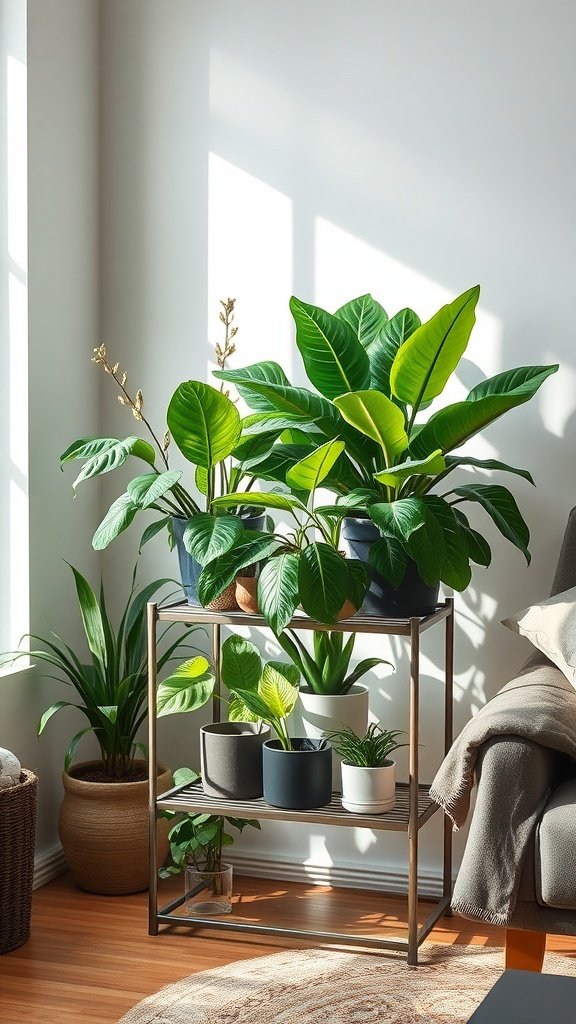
x: 111, y: 686
x: 370, y: 751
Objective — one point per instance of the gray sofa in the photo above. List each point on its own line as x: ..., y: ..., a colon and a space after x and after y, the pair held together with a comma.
x: 519, y: 866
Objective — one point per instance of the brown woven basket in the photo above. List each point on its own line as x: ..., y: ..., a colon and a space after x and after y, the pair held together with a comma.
x: 17, y: 835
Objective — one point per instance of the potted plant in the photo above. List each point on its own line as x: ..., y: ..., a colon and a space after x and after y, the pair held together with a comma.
x: 368, y: 774
x: 297, y: 771
x: 331, y: 696
x: 299, y: 569
x: 206, y: 427
x: 375, y: 377
x: 103, y: 818
x: 196, y: 844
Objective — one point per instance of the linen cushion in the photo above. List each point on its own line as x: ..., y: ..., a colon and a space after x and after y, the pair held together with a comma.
x: 555, y: 845
x: 551, y: 627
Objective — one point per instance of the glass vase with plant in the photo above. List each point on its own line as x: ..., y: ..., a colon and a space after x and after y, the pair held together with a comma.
x: 375, y: 376
x: 196, y: 845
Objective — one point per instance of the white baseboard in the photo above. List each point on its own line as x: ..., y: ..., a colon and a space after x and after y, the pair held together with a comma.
x: 393, y: 880
x: 48, y: 865
x: 51, y: 863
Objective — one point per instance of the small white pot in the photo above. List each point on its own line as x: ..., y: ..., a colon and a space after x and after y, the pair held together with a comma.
x: 368, y: 790
x: 322, y: 713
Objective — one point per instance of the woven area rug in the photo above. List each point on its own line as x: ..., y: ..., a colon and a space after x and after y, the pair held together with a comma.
x: 324, y: 986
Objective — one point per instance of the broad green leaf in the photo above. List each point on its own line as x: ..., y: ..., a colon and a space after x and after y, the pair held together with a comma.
x: 277, y: 692
x: 358, y: 581
x: 241, y: 663
x: 201, y: 480
x: 290, y: 671
x: 266, y: 372
x: 389, y: 558
x: 399, y: 518
x: 335, y: 360
x: 203, y: 422
x: 260, y: 500
x: 450, y: 427
x: 274, y: 463
x: 104, y: 454
x: 152, y: 530
x: 217, y: 575
x: 307, y: 474
x: 146, y: 489
x: 456, y: 570
x: 365, y: 316
x: 382, y: 352
x: 278, y: 590
x: 430, y: 466
x: 500, y: 505
x: 91, y: 618
x: 428, y: 549
x: 478, y: 548
x: 184, y: 776
x: 238, y: 711
x: 271, y: 422
x: 255, y: 704
x: 187, y: 689
x: 456, y: 461
x: 322, y: 582
x: 207, y: 536
x: 424, y: 363
x: 117, y: 519
x: 378, y: 418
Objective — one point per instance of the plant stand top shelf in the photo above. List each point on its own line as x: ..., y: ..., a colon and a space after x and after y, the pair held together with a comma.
x: 189, y: 613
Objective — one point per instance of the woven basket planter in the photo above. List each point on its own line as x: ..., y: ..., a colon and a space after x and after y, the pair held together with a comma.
x: 17, y: 835
x: 104, y: 832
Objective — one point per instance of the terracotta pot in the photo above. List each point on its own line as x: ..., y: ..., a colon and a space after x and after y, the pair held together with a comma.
x: 247, y: 594
x: 104, y: 831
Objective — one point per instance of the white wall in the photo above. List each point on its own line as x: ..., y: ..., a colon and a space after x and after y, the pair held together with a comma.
x: 63, y: 310
x: 312, y: 146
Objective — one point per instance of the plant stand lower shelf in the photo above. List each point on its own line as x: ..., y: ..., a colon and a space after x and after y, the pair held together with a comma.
x: 413, y: 809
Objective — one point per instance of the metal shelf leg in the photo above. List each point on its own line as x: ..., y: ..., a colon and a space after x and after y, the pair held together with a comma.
x: 413, y: 793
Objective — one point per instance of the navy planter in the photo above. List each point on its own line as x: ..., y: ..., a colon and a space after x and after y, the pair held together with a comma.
x: 190, y: 569
x: 413, y: 596
x: 298, y: 779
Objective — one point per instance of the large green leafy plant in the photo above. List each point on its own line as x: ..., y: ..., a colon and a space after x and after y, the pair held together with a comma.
x: 260, y: 691
x: 111, y: 686
x: 375, y: 376
x: 205, y: 425
x: 298, y: 568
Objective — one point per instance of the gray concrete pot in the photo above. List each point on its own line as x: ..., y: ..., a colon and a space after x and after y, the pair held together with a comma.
x: 231, y: 759
x: 298, y: 779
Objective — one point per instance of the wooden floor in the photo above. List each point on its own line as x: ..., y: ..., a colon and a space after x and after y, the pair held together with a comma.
x: 90, y: 958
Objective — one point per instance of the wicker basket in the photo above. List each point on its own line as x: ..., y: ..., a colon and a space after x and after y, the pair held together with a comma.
x: 17, y: 834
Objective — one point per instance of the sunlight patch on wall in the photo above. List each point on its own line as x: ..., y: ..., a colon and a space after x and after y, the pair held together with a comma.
x: 558, y: 402
x: 250, y: 259
x: 14, y: 575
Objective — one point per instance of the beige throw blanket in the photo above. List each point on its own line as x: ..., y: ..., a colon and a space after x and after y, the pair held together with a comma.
x: 539, y: 705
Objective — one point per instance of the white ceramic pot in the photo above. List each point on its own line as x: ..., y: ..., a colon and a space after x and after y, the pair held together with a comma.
x: 323, y: 713
x: 368, y: 790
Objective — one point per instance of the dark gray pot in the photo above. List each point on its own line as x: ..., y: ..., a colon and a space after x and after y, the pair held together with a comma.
x: 413, y: 596
x: 190, y: 569
x: 231, y: 759
x: 298, y: 779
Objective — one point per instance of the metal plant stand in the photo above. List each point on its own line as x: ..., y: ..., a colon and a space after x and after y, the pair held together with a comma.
x: 413, y: 804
